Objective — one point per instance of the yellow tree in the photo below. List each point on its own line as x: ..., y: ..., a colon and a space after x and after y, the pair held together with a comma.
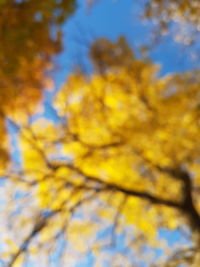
x: 30, y: 35
x: 124, y: 153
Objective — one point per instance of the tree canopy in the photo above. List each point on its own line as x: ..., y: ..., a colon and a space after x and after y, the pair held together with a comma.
x: 115, y: 145
x: 167, y: 10
x: 117, y: 167
x: 30, y: 35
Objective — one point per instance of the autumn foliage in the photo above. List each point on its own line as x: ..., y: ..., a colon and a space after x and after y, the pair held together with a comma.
x: 30, y: 35
x: 121, y: 157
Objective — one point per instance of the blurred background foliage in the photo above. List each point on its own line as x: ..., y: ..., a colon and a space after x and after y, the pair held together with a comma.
x: 30, y: 35
x: 119, y: 161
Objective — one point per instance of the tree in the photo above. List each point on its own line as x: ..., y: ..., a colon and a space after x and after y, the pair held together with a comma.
x: 184, y: 15
x: 123, y: 156
x: 30, y: 35
x: 166, y: 10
